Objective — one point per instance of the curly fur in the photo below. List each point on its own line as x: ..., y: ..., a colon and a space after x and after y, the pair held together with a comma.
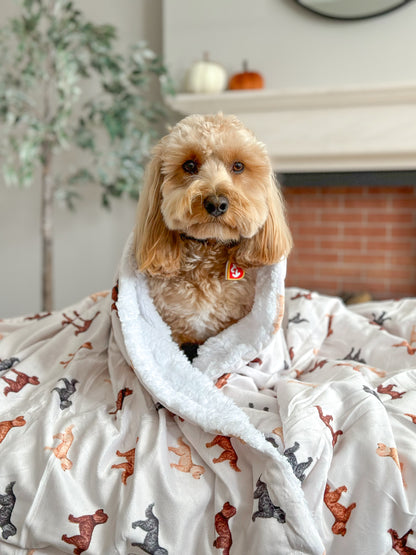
x: 183, y: 249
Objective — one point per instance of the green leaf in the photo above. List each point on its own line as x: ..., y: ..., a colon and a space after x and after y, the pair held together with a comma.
x: 82, y: 176
x: 64, y: 84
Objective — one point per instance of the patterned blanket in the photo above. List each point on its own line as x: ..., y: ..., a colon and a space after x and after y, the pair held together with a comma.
x: 287, y: 435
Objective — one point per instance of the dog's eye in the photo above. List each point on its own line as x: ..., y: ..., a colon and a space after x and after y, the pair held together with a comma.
x: 238, y: 167
x: 190, y: 166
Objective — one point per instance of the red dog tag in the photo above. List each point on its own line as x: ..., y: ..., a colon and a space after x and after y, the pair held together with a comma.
x: 233, y: 272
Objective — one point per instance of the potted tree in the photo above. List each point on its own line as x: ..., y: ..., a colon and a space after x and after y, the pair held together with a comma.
x: 63, y: 85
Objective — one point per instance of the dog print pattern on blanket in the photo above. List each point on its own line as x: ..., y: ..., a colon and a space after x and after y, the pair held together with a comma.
x: 96, y: 458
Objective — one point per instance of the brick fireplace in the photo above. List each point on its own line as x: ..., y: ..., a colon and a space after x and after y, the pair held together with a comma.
x: 350, y: 239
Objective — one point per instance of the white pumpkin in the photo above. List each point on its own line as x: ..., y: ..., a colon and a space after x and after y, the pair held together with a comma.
x: 206, y: 76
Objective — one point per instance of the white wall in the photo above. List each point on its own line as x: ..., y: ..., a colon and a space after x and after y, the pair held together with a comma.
x: 88, y: 243
x: 290, y: 46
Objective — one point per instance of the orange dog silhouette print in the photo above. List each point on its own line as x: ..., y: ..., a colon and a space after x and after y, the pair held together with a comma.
x: 185, y: 463
x: 61, y: 450
x: 7, y: 425
x: 128, y: 466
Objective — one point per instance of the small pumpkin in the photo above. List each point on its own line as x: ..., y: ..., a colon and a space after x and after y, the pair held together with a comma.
x: 206, y: 76
x: 246, y: 79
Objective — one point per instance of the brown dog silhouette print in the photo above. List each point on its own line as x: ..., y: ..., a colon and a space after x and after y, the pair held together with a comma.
x: 83, y: 326
x: 122, y: 394
x: 340, y: 513
x: 388, y: 390
x: 14, y: 386
x: 224, y: 540
x: 400, y: 544
x: 128, y: 466
x: 228, y: 453
x: 86, y: 523
x: 86, y: 345
x: 327, y: 419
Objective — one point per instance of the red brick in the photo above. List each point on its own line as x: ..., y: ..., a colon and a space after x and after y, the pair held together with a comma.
x: 364, y: 258
x: 340, y: 243
x: 340, y: 270
x: 354, y: 239
x: 315, y: 229
x: 391, y: 191
x: 318, y: 258
x: 394, y: 217
x: 366, y: 203
x: 403, y: 231
x: 402, y: 260
x: 343, y: 215
x: 389, y: 273
x: 365, y: 230
x: 386, y: 245
x: 407, y: 203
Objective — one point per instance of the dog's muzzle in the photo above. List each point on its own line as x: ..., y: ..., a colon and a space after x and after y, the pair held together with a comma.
x: 216, y: 206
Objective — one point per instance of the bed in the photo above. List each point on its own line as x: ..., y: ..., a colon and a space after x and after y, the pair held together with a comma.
x: 292, y: 432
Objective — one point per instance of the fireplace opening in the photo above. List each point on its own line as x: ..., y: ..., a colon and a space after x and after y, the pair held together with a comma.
x: 354, y: 233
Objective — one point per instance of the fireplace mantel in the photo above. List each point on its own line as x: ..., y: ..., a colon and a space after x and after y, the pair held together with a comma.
x: 348, y: 129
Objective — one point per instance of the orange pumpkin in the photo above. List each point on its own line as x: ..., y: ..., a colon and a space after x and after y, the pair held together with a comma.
x: 246, y: 79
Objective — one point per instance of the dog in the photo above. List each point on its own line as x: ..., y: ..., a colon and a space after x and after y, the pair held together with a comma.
x: 228, y: 453
x: 61, y: 450
x: 224, y: 540
x: 86, y: 523
x: 128, y: 466
x: 266, y: 507
x: 185, y: 463
x: 209, y: 203
x: 150, y: 543
x: 7, y: 503
x: 339, y: 512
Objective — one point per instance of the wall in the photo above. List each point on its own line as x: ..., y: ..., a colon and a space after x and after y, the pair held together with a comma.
x: 88, y: 243
x: 290, y: 46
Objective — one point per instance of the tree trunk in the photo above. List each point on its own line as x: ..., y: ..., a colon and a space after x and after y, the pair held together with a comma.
x: 47, y: 229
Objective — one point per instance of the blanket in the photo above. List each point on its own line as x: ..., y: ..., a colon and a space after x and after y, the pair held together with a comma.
x: 291, y: 432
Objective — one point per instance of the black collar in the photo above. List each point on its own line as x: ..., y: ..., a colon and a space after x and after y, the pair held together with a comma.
x: 209, y: 241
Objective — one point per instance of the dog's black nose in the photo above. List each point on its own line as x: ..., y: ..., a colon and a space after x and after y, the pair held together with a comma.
x: 216, y: 206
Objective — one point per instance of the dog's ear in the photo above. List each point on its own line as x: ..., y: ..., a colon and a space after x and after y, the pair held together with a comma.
x: 274, y: 240
x: 157, y: 247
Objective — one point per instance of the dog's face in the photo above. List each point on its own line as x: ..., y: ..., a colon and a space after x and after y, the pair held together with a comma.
x: 215, y: 179
x: 210, y: 179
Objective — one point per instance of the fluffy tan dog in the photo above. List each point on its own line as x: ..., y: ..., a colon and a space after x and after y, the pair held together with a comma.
x: 210, y: 200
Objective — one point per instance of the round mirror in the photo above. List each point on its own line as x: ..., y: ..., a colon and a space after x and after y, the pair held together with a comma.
x: 351, y: 9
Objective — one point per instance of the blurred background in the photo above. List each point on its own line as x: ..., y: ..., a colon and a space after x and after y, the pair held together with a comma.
x: 336, y: 109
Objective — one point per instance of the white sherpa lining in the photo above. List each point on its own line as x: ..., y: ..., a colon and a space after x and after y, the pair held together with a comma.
x: 164, y: 370
x: 188, y: 389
